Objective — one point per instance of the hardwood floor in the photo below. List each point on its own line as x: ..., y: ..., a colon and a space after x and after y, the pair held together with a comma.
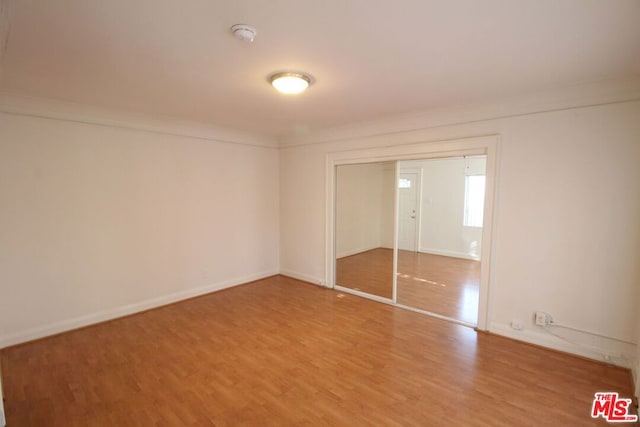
x: 281, y: 352
x: 370, y: 272
x: 439, y: 284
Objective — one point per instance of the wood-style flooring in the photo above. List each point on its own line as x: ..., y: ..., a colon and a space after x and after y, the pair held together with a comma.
x: 280, y: 352
x: 439, y: 284
x: 444, y: 285
x: 370, y: 272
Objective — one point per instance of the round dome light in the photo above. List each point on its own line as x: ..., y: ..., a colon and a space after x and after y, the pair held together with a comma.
x: 290, y: 83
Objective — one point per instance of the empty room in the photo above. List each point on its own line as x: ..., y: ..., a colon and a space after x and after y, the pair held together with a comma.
x: 407, y: 213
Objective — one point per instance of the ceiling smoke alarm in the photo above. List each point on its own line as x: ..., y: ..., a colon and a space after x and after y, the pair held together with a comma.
x: 244, y: 32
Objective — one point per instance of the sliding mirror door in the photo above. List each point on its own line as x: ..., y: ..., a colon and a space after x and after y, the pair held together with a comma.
x: 364, y: 227
x: 440, y: 221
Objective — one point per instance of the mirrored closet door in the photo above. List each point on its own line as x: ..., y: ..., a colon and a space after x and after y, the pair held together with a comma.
x: 364, y: 227
x: 437, y: 206
x: 440, y: 221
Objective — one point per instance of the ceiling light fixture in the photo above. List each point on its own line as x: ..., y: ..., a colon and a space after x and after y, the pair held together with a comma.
x: 290, y: 83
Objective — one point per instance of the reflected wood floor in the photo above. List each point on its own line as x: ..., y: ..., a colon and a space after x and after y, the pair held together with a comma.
x: 439, y: 284
x: 281, y: 352
x: 370, y: 272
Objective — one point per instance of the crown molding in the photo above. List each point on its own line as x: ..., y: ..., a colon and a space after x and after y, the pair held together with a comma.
x: 575, y: 96
x: 79, y: 113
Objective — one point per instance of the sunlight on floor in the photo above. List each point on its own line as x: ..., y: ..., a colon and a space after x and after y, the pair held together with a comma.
x: 468, y: 309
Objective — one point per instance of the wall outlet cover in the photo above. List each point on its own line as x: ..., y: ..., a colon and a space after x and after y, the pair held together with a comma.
x: 541, y: 318
x: 516, y: 324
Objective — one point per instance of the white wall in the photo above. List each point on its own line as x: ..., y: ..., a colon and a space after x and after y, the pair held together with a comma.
x: 100, y: 221
x: 442, y: 229
x: 568, y: 201
x: 363, y: 207
x: 358, y: 199
x: 387, y: 221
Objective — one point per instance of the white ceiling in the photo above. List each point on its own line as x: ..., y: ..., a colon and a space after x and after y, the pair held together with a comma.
x: 370, y: 58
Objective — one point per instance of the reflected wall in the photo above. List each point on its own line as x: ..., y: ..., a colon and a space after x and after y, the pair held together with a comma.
x: 364, y: 227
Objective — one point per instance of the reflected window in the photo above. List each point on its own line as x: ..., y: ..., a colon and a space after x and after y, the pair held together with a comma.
x: 474, y: 200
x: 404, y: 183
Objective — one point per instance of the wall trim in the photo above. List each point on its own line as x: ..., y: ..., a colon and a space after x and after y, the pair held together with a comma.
x: 302, y: 276
x: 444, y: 252
x: 549, y: 341
x: 604, y: 92
x: 73, y: 112
x: 114, y: 313
x: 576, y: 96
x: 345, y: 254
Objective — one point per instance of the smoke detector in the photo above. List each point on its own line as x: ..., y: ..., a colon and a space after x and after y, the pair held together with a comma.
x: 244, y: 32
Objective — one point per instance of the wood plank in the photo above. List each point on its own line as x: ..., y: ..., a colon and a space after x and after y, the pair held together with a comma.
x: 370, y: 272
x: 444, y: 285
x: 281, y: 352
x: 440, y: 284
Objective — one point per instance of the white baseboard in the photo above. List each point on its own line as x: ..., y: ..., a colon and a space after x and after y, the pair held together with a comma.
x: 355, y: 251
x: 445, y: 252
x: 546, y: 340
x: 302, y: 276
x: 90, y: 319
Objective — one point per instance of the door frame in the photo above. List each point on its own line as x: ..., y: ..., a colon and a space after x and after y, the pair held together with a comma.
x: 481, y: 145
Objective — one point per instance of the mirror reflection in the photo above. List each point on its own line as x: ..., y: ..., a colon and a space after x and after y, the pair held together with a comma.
x: 440, y: 220
x: 364, y: 227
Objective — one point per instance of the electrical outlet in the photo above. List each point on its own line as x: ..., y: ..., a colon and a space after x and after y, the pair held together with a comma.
x: 542, y: 318
x: 516, y: 324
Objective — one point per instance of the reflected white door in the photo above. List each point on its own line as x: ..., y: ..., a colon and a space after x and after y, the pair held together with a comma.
x: 408, y: 214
